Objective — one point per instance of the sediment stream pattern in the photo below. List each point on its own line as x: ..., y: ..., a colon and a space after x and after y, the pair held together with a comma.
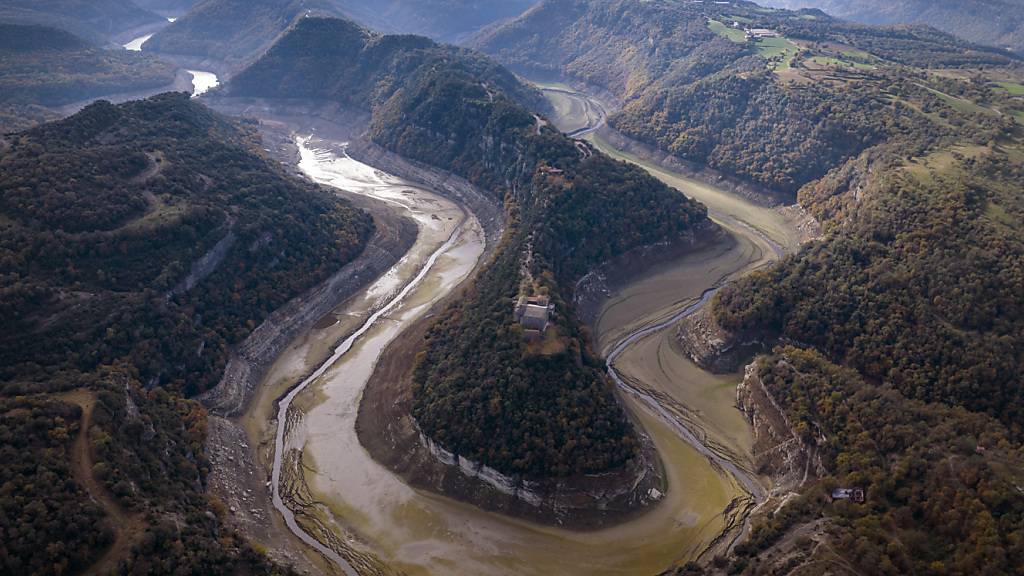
x: 339, y: 352
x: 417, y: 532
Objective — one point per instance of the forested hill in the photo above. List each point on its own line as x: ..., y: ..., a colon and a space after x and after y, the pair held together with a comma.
x: 42, y: 67
x: 336, y: 59
x: 543, y: 409
x: 780, y: 112
x: 445, y: 20
x: 908, y: 144
x: 233, y: 31
x: 997, y: 23
x: 138, y: 244
x: 96, y: 20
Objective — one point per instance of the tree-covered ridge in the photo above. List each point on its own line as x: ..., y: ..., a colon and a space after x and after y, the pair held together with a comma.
x: 138, y: 244
x: 44, y: 67
x: 921, y: 289
x: 338, y: 60
x: 96, y: 20
x: 544, y: 409
x: 942, y: 485
x: 233, y: 31
x: 998, y: 23
x: 104, y: 216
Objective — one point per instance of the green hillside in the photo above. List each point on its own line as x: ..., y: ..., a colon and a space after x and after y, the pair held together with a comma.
x: 103, y: 219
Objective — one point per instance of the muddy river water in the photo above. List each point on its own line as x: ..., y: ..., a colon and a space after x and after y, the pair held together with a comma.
x: 703, y: 440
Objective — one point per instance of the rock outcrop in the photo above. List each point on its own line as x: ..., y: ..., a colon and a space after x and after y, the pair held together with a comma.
x: 714, y: 348
x: 778, y: 451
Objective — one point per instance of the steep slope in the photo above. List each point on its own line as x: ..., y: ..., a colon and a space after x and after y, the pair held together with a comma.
x: 481, y: 388
x: 998, y: 23
x: 43, y: 67
x: 233, y: 31
x: 444, y: 20
x: 138, y: 244
x: 942, y: 485
x: 96, y: 20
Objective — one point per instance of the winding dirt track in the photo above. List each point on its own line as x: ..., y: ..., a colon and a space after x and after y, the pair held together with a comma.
x: 125, y: 526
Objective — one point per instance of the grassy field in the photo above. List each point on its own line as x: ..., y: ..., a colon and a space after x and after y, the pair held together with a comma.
x: 961, y: 105
x: 738, y: 36
x: 1012, y: 87
x: 831, y: 61
x: 778, y: 48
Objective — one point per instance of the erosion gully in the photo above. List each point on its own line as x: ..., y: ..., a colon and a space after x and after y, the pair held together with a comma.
x: 365, y: 520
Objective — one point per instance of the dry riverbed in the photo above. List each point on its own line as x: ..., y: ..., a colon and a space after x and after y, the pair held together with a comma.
x: 375, y: 523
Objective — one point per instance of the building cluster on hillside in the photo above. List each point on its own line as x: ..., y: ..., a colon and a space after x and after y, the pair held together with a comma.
x: 756, y: 33
x: 855, y: 495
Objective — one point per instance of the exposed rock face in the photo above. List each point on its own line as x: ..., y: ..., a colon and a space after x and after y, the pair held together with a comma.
x: 778, y: 451
x: 714, y: 348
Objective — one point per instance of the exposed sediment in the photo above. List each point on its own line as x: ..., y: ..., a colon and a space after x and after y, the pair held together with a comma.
x: 756, y: 194
x: 390, y: 434
x: 249, y: 362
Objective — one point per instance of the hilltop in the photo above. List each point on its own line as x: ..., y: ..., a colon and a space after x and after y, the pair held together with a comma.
x: 444, y: 20
x: 233, y: 31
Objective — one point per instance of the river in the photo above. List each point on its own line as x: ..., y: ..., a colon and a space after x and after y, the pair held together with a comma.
x: 372, y: 512
x: 202, y: 81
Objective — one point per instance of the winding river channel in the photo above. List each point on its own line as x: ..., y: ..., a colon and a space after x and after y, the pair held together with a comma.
x: 202, y: 81
x: 367, y: 520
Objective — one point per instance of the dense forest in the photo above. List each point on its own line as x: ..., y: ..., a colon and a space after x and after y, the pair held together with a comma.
x: 138, y: 244
x: 921, y: 290
x: 908, y: 145
x: 941, y: 485
x: 337, y: 60
x: 480, y: 389
x: 95, y: 20
x: 43, y: 67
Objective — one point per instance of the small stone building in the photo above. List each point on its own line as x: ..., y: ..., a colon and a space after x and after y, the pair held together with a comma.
x: 533, y: 313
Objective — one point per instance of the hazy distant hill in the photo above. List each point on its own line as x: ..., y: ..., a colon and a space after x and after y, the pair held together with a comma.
x: 233, y: 31
x: 95, y: 20
x: 171, y: 7
x: 997, y: 23
x: 446, y: 20
x: 43, y: 67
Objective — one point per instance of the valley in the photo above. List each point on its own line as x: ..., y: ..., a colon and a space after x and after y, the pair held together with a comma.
x: 370, y: 518
x: 605, y: 287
